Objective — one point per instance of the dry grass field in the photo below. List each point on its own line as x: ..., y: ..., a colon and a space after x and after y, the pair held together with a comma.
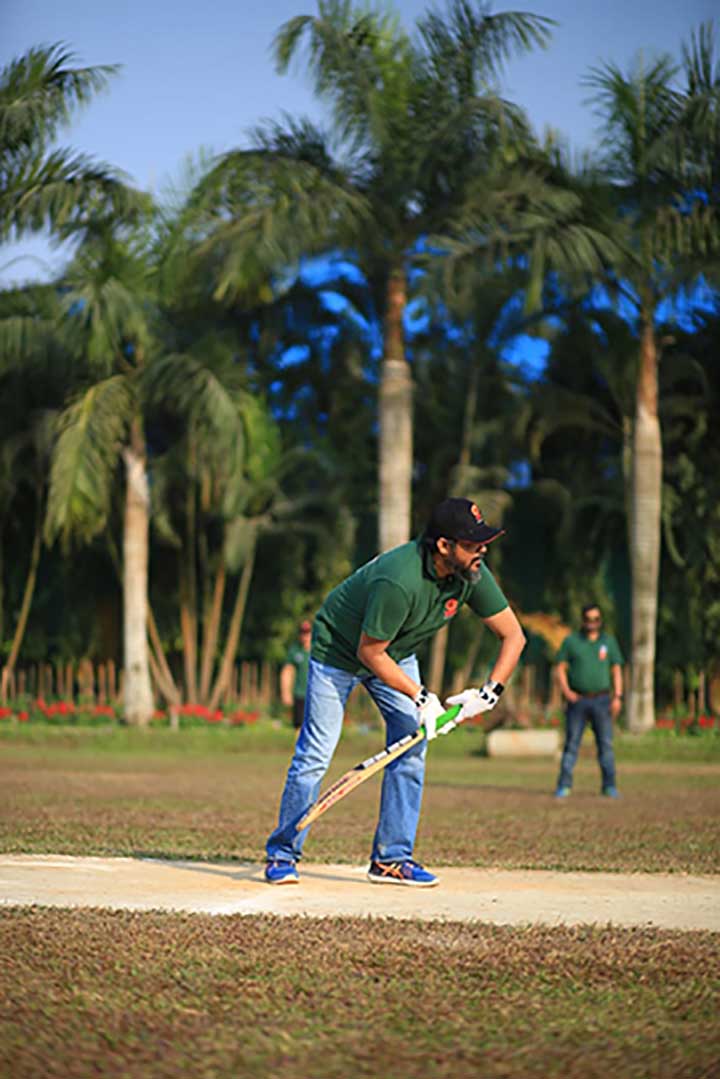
x: 212, y: 794
x: 139, y: 996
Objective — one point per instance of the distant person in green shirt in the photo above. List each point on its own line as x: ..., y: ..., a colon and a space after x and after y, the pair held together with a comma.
x: 589, y: 672
x: 294, y: 674
x: 366, y: 633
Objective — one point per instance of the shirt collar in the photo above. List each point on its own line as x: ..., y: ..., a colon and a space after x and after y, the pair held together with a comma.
x: 426, y: 559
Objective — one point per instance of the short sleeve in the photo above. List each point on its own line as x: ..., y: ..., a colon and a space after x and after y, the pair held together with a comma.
x: 486, y: 597
x: 615, y: 654
x: 563, y: 654
x: 386, y: 610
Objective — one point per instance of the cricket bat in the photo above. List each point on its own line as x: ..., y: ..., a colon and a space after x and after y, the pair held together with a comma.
x: 369, y: 767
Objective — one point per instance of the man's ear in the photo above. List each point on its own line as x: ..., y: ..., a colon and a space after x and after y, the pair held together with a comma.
x: 443, y: 546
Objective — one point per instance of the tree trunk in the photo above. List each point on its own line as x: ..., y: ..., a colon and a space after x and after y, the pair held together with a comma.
x: 188, y: 589
x: 2, y: 593
x: 223, y: 679
x: 138, y: 698
x: 396, y: 437
x: 162, y: 673
x: 212, y: 631
x: 187, y: 630
x: 627, y: 468
x: 645, y: 531
x: 438, y: 650
x: 26, y: 602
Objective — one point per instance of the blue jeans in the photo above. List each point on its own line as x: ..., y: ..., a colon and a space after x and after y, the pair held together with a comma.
x: 596, y: 710
x: 328, y: 689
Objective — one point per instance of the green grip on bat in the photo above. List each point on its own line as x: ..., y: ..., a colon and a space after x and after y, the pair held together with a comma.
x: 448, y: 717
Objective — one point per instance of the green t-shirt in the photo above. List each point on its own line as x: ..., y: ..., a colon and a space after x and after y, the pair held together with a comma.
x: 396, y: 597
x: 299, y: 657
x: 589, y: 662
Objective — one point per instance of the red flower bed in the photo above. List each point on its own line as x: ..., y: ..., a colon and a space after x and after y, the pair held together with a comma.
x: 243, y: 718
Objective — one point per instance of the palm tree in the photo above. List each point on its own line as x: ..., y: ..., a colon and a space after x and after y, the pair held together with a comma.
x: 107, y: 294
x: 45, y: 187
x: 215, y: 487
x: 651, y: 126
x: 415, y: 123
x: 644, y: 224
x: 34, y: 379
x: 463, y: 387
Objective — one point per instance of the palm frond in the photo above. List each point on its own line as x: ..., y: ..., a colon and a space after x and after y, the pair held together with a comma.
x: 638, y: 112
x: 209, y: 400
x: 90, y: 434
x: 270, y: 209
x: 523, y: 214
x: 358, y: 58
x: 28, y: 326
x: 699, y: 134
x: 108, y: 300
x: 62, y: 191
x: 467, y: 46
x: 40, y: 91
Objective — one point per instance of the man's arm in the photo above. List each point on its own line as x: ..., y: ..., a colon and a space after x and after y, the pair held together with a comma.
x: 617, y: 681
x: 372, y: 653
x: 287, y: 683
x: 508, y: 630
x: 561, y: 672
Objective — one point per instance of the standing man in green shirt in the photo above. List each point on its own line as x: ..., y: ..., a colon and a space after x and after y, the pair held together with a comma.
x: 589, y: 671
x: 366, y: 633
x: 294, y: 674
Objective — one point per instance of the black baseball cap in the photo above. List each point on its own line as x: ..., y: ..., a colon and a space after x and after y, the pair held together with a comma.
x: 460, y: 519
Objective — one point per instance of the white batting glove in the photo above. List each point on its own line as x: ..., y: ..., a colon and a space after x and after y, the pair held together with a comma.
x: 429, y: 709
x: 475, y: 701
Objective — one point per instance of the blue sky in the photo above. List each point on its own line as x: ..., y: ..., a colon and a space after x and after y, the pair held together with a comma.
x: 201, y: 75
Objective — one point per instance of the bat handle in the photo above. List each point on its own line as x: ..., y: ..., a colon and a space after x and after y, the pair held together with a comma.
x: 448, y: 720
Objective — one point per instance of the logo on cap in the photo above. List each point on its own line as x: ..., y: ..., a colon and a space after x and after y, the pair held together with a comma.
x: 451, y: 607
x: 476, y: 513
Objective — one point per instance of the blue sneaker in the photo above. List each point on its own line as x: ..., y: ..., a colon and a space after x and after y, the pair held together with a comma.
x: 281, y: 872
x: 562, y: 792
x: 611, y: 792
x: 401, y: 872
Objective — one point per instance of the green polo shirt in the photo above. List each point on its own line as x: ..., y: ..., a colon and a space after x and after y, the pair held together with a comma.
x: 589, y: 662
x: 299, y: 657
x: 396, y: 597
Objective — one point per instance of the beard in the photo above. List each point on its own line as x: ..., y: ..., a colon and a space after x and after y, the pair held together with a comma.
x: 469, y: 574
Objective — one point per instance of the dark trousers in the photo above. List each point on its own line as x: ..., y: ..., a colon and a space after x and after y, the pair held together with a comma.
x: 596, y: 711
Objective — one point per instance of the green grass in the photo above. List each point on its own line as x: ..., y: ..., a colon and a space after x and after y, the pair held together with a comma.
x: 145, y: 996
x: 214, y: 794
x: 197, y: 738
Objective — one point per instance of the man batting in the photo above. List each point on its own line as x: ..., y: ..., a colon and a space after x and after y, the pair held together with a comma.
x: 366, y: 632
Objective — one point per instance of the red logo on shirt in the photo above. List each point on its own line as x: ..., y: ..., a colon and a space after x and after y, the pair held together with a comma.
x: 602, y: 652
x: 451, y: 606
x: 476, y: 513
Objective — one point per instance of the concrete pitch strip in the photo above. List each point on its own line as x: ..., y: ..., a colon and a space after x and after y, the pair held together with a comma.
x: 518, y: 897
